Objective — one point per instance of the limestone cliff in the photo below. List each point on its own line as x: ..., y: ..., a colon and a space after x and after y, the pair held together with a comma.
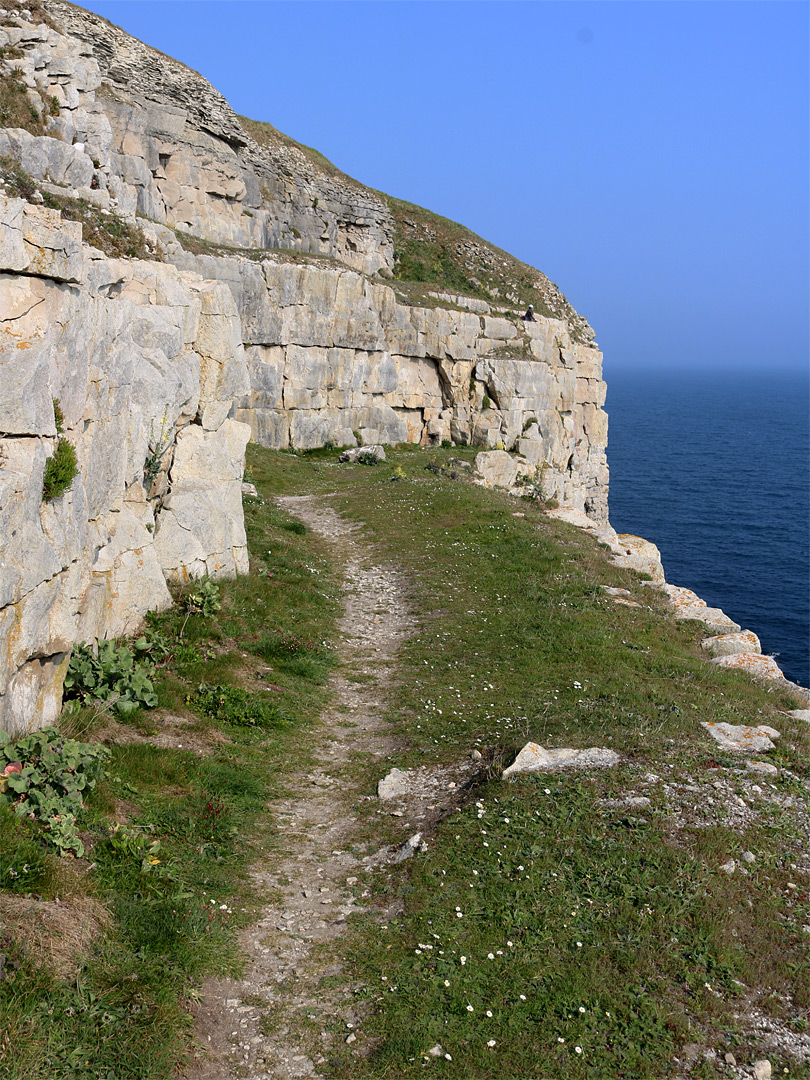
x: 233, y: 282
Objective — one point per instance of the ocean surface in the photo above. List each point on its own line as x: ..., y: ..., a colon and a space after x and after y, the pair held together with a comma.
x: 714, y: 468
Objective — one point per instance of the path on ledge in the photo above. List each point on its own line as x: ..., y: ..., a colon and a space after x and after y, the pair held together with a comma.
x: 314, y: 881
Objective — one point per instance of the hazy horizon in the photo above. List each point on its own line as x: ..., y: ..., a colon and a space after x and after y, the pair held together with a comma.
x: 652, y: 159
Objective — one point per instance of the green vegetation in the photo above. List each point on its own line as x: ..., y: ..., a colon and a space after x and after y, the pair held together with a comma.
x: 601, y: 937
x: 109, y: 673
x: 45, y: 778
x: 169, y: 834
x: 61, y: 469
x: 107, y: 232
x: 266, y: 135
x: 16, y: 111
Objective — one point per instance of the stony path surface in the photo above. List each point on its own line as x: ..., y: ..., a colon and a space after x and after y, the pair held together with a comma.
x: 316, y: 883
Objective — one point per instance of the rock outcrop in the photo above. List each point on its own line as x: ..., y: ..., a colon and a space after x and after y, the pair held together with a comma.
x: 261, y: 300
x: 144, y: 362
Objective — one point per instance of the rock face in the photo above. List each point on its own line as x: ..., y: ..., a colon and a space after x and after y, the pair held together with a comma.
x: 144, y: 361
x: 163, y: 366
x: 334, y: 354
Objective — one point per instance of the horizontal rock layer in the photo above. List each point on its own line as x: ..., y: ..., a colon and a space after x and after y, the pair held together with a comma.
x: 145, y: 362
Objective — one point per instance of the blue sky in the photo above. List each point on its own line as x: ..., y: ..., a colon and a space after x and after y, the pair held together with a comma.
x: 651, y: 158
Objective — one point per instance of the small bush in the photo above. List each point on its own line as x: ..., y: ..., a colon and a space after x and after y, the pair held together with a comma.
x: 113, y: 675
x: 234, y: 706
x: 58, y: 417
x: 60, y: 471
x: 367, y: 457
x: 44, y: 778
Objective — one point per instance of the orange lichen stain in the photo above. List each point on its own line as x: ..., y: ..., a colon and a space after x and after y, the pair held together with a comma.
x: 23, y: 344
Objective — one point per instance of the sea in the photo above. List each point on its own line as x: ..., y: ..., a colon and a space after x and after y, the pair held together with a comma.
x: 714, y: 468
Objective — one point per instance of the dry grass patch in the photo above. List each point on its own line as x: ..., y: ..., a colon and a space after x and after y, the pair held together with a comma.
x: 55, y: 933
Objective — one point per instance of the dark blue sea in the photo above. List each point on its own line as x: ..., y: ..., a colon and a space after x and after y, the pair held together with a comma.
x: 713, y: 468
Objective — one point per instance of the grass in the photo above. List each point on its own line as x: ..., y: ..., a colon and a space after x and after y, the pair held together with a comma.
x: 627, y: 939
x: 576, y: 919
x: 106, y: 231
x: 170, y: 834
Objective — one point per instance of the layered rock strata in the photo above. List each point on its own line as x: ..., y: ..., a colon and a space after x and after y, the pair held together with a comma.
x: 144, y: 362
x: 163, y: 366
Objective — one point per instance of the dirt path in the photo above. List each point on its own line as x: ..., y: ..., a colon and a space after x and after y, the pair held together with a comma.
x: 315, y: 884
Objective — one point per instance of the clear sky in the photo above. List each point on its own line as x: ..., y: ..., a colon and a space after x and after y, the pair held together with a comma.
x: 650, y: 157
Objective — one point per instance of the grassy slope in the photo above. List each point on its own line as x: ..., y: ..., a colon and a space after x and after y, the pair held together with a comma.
x: 609, y: 929
x: 618, y: 912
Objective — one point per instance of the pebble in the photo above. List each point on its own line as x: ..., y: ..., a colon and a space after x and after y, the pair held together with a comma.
x: 749, y: 856
x: 729, y: 867
x: 436, y: 1051
x: 353, y: 1038
x: 730, y: 1059
x: 762, y: 1069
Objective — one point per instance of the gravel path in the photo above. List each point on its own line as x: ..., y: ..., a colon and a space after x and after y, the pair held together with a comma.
x: 315, y: 883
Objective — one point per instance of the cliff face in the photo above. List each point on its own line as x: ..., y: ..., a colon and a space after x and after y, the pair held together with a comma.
x: 263, y: 299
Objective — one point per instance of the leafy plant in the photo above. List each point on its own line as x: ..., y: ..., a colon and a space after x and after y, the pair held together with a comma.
x: 60, y: 471
x: 113, y: 675
x: 203, y: 598
x: 58, y: 417
x: 367, y: 457
x: 235, y: 706
x: 158, y: 445
x: 44, y: 778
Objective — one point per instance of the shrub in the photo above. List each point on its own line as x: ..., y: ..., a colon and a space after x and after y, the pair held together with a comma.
x: 234, y: 706
x: 44, y: 778
x: 113, y: 675
x: 367, y: 457
x: 58, y: 417
x: 60, y: 471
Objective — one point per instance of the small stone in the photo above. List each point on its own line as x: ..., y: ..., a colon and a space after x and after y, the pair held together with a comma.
x: 411, y: 845
x: 730, y: 1059
x: 436, y: 1051
x: 729, y: 867
x: 762, y: 1069
x: 353, y: 1038
x: 393, y: 786
x: 749, y: 856
x: 475, y: 755
x: 763, y: 767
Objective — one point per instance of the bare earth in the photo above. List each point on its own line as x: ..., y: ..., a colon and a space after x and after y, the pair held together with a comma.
x: 316, y: 882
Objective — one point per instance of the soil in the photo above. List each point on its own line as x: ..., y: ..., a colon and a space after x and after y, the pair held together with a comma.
x: 316, y: 882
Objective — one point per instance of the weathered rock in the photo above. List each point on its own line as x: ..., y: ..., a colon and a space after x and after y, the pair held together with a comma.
x: 638, y: 554
x: 408, y: 849
x: 762, y: 1069
x: 740, y: 737
x: 801, y: 714
x: 496, y: 469
x: 534, y: 758
x: 366, y: 454
x: 763, y: 767
x: 753, y: 664
x: 731, y: 644
x: 117, y: 349
x: 394, y: 785
x: 688, y: 605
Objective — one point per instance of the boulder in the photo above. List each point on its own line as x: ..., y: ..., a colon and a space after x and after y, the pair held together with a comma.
x: 688, y: 605
x: 753, y: 664
x: 731, y: 644
x: 639, y: 554
x: 736, y: 737
x: 534, y: 758
x: 393, y: 786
